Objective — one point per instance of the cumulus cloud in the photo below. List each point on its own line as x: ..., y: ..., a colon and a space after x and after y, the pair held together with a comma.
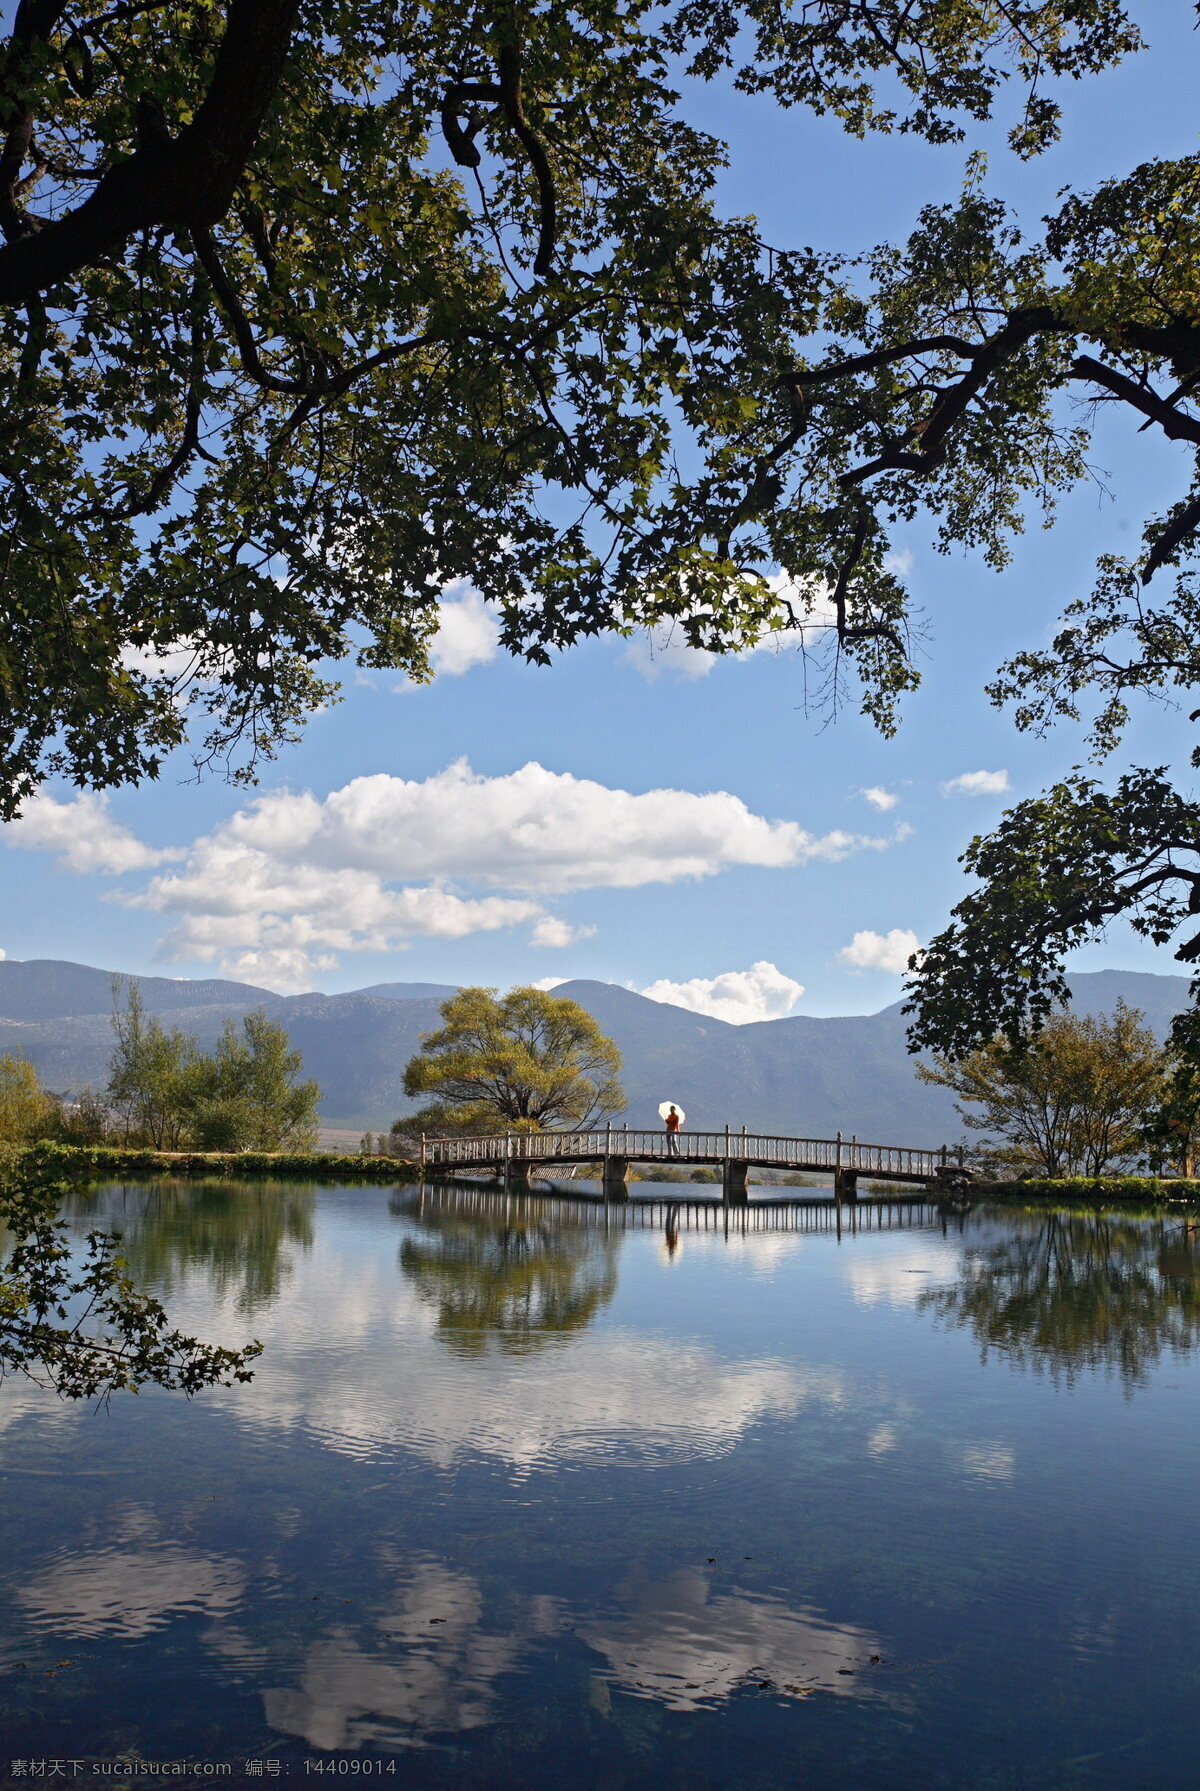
x: 131, y: 1592
x: 978, y: 783
x: 83, y: 834
x: 292, y: 878
x: 551, y: 931
x: 739, y: 996
x: 880, y: 798
x: 546, y: 983
x: 532, y: 829
x: 881, y: 951
x: 277, y: 922
x: 468, y: 633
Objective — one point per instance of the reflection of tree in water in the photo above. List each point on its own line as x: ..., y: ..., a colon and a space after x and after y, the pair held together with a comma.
x: 234, y: 1232
x: 521, y: 1272
x: 1068, y: 1291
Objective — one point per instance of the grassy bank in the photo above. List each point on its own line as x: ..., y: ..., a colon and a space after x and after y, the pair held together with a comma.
x: 1104, y: 1190
x: 89, y: 1162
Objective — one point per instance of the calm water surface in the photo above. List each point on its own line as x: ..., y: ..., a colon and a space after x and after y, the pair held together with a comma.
x: 532, y: 1494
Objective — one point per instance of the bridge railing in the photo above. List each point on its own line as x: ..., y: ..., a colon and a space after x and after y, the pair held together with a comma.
x: 656, y: 1145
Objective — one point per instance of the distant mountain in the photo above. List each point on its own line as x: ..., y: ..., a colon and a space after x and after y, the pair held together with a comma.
x: 807, y: 1076
x: 49, y: 989
x: 411, y: 991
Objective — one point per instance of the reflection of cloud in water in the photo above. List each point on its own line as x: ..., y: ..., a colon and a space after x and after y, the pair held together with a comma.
x: 899, y: 1275
x: 131, y: 1591
x: 21, y: 1398
x: 614, y: 1395
x: 435, y: 1667
x: 988, y: 1461
x: 763, y: 1253
x: 684, y: 1647
x: 882, y: 1439
x: 440, y: 1680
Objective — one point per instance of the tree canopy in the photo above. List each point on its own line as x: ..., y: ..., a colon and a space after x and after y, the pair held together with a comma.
x: 307, y: 310
x: 1074, y: 1101
x: 27, y: 1110
x: 164, y: 1090
x: 526, y: 1060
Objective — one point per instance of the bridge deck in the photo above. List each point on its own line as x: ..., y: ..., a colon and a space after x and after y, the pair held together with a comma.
x: 619, y: 1145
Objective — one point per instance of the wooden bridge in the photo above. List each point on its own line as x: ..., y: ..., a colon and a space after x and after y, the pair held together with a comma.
x: 519, y: 1156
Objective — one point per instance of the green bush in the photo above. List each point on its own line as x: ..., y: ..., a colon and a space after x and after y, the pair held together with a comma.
x: 91, y: 1161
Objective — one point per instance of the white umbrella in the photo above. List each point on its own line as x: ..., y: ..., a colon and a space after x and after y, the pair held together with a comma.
x: 664, y: 1107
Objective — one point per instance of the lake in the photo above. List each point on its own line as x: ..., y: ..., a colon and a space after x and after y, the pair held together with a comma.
x: 533, y: 1493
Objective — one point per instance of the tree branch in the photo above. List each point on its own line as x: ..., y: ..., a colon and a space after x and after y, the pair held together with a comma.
x: 880, y: 357
x: 1176, y: 425
x: 187, y: 182
x: 1184, y: 524
x: 933, y: 433
x: 514, y: 109
x: 34, y: 22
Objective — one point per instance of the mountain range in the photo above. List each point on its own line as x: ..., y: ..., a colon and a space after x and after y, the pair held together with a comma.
x: 807, y: 1076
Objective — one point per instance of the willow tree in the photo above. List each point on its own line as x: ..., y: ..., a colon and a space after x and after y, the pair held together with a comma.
x: 527, y: 1060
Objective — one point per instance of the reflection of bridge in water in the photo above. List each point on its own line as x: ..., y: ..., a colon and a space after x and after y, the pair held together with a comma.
x: 689, y: 1212
x: 518, y: 1157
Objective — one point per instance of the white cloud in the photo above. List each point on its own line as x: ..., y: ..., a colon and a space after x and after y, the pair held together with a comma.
x: 531, y: 829
x: 84, y: 835
x: 546, y: 983
x: 978, y: 783
x: 899, y: 1272
x: 288, y: 969
x: 468, y: 633
x: 879, y: 798
x: 277, y: 922
x: 881, y: 951
x: 553, y: 932
x: 739, y: 996
x: 657, y: 650
x: 292, y: 878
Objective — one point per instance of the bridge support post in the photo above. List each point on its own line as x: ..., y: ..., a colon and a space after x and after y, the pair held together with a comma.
x: 950, y: 1182
x: 516, y: 1174
x: 734, y: 1179
x: 845, y: 1184
x: 616, y: 1178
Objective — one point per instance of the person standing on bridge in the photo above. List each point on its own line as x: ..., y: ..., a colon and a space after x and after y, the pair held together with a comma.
x: 672, y: 1123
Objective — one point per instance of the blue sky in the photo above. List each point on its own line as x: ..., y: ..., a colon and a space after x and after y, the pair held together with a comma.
x: 369, y: 853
